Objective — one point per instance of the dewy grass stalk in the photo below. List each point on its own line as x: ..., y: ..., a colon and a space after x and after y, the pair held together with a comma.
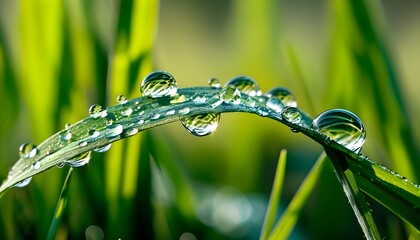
x: 197, y: 108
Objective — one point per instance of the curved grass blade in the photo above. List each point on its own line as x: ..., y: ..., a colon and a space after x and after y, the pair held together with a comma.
x: 289, y: 218
x: 270, y: 216
x: 151, y: 112
x: 354, y: 195
x: 61, y: 206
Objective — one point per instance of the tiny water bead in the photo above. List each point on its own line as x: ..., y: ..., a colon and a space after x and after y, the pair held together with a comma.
x: 275, y: 104
x: 291, y: 114
x: 23, y: 183
x: 246, y: 85
x: 36, y: 165
x: 121, y: 99
x: 96, y: 111
x: 201, y: 124
x: 159, y: 84
x: 93, y: 133
x: 80, y: 160
x: 342, y: 126
x: 214, y: 82
x: 27, y: 150
x: 230, y: 94
x: 114, y: 130
x: 126, y: 112
x: 103, y: 148
x: 131, y: 132
x: 65, y: 135
x: 67, y: 126
x: 284, y: 94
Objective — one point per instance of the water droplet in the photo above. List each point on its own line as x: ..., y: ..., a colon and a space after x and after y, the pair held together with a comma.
x: 60, y: 165
x: 114, y: 130
x: 275, y: 104
x: 291, y: 114
x: 342, y: 126
x: 141, y: 121
x: 246, y: 85
x: 155, y: 116
x: 82, y: 143
x: 262, y: 111
x: 103, y: 148
x: 121, y: 99
x: 158, y: 84
x: 250, y: 102
x: 199, y: 99
x: 110, y: 118
x: 184, y: 110
x: 178, y: 99
x: 23, y: 183
x: 230, y: 94
x: 170, y: 112
x: 36, y: 165
x: 127, y: 112
x: 65, y: 135
x: 67, y: 126
x: 27, y: 150
x: 97, y: 110
x: 93, y: 133
x: 80, y: 160
x: 284, y: 94
x: 131, y: 132
x: 214, y: 82
x: 201, y: 124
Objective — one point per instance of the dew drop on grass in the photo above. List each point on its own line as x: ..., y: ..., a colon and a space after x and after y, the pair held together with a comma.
x: 201, y: 124
x: 291, y: 114
x: 67, y: 126
x: 114, y: 130
x: 36, y: 165
x: 178, y: 99
x: 284, y: 94
x: 184, y: 110
x: 275, y: 104
x: 96, y: 111
x: 127, y: 112
x: 131, y: 132
x: 159, y: 84
x: 121, y: 99
x: 214, y: 82
x: 103, y: 148
x: 65, y: 135
x: 246, y: 85
x: 82, y: 143
x: 342, y: 126
x: 80, y: 160
x: 23, y: 183
x: 155, y: 116
x: 93, y: 133
x: 170, y: 112
x: 230, y: 94
x: 27, y: 150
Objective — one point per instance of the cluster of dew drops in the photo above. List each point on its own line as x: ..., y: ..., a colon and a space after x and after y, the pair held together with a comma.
x: 339, y: 125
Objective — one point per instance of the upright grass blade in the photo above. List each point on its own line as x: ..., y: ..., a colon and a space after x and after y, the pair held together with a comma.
x: 289, y: 218
x: 60, y: 208
x: 355, y: 196
x: 270, y: 216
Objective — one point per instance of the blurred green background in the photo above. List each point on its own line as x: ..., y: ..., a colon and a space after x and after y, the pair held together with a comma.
x: 59, y: 57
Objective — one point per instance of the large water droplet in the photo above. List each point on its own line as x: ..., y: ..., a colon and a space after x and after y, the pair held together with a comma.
x: 275, y: 104
x: 27, y: 150
x: 342, y: 126
x: 246, y: 85
x: 114, y: 130
x: 103, y: 148
x: 201, y: 124
x: 214, y: 82
x: 230, y: 94
x: 96, y: 111
x: 158, y: 84
x: 80, y: 160
x: 284, y: 94
x: 23, y: 183
x: 291, y: 114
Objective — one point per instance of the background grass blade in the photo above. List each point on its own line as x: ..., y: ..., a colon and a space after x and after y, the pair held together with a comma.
x: 60, y: 208
x: 271, y: 214
x: 289, y: 218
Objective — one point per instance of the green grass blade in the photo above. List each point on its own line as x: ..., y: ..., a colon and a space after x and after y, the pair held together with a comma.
x: 270, y: 216
x: 289, y: 218
x: 61, y: 206
x: 355, y: 196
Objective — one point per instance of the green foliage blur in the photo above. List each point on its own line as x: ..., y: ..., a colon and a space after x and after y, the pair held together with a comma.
x: 59, y: 57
